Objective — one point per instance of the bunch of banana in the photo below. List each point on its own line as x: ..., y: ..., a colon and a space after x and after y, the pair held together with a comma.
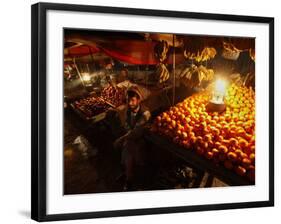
x: 193, y: 75
x: 230, y: 51
x: 252, y: 54
x: 230, y: 47
x: 188, y: 71
x: 206, y: 74
x: 161, y: 50
x: 249, y: 80
x: 236, y: 78
x: 242, y: 80
x: 162, y: 72
x: 206, y: 54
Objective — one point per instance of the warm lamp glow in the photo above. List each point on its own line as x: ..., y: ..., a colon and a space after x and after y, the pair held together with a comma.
x: 86, y: 77
x: 219, y: 91
x: 220, y: 86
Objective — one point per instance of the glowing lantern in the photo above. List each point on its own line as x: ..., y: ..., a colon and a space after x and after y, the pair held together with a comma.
x: 217, y: 101
x: 86, y: 77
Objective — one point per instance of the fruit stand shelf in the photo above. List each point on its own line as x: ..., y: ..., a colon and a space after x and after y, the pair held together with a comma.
x: 197, y: 161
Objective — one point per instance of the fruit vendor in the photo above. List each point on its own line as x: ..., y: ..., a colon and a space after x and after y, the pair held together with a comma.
x: 123, y: 76
x: 132, y: 143
x: 105, y: 76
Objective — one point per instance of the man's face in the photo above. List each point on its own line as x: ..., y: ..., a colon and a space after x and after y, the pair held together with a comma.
x: 123, y: 74
x: 133, y: 103
x: 108, y: 66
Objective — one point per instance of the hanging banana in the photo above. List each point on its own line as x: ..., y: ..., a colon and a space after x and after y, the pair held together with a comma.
x: 206, y: 54
x: 162, y: 72
x: 193, y: 75
x: 161, y: 53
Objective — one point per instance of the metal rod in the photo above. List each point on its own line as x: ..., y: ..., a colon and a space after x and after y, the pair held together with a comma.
x: 174, y: 70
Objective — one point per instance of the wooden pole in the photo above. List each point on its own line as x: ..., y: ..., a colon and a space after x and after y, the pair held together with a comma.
x: 78, y: 72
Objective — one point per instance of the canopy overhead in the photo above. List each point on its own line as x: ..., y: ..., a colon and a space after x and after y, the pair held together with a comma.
x: 138, y: 48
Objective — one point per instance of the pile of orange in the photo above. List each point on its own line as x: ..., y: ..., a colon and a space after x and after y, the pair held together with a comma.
x: 226, y: 138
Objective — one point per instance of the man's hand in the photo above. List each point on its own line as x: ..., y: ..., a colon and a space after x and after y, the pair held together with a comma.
x: 120, y: 141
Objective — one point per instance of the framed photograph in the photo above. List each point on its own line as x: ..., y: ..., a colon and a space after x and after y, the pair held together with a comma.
x: 140, y: 111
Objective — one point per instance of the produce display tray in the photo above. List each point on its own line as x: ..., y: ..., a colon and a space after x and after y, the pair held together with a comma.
x: 93, y: 119
x: 228, y: 176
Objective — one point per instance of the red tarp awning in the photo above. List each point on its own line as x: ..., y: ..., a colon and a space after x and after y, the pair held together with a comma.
x: 131, y: 52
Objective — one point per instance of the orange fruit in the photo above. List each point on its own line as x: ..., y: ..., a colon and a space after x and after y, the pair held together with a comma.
x: 222, y: 149
x: 240, y: 123
x: 241, y: 171
x: 192, y: 122
x: 158, y: 118
x: 225, y: 142
x: 182, y: 117
x: 228, y: 164
x: 206, y: 131
x: 168, y: 119
x: 211, y: 144
x: 192, y: 140
x: 238, y: 152
x: 252, y: 157
x: 215, y: 151
x: 216, y: 131
x: 170, y: 127
x: 205, y: 145
x: 232, y: 133
x: 184, y: 135
x: 233, y: 142
x: 199, y: 150
x: 232, y: 156
x: 243, y: 155
x: 186, y: 144
x: 216, y: 118
x: 212, y: 123
x: 173, y: 123
x: 218, y: 126
x: 246, y: 163
x: 243, y: 143
x: 248, y: 150
x: 222, y: 118
x: 187, y: 120
x: 227, y: 117
x: 180, y: 127
x: 217, y: 144
x: 247, y: 136
x: 199, y: 139
x: 220, y: 138
x: 209, y: 155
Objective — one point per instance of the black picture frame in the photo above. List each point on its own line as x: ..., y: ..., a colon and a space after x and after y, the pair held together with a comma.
x: 39, y: 122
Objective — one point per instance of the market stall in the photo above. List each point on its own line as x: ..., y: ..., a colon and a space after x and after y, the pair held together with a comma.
x: 200, y: 91
x: 201, y: 127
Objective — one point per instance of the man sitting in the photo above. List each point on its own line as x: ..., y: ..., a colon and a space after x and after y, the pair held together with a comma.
x: 132, y: 143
